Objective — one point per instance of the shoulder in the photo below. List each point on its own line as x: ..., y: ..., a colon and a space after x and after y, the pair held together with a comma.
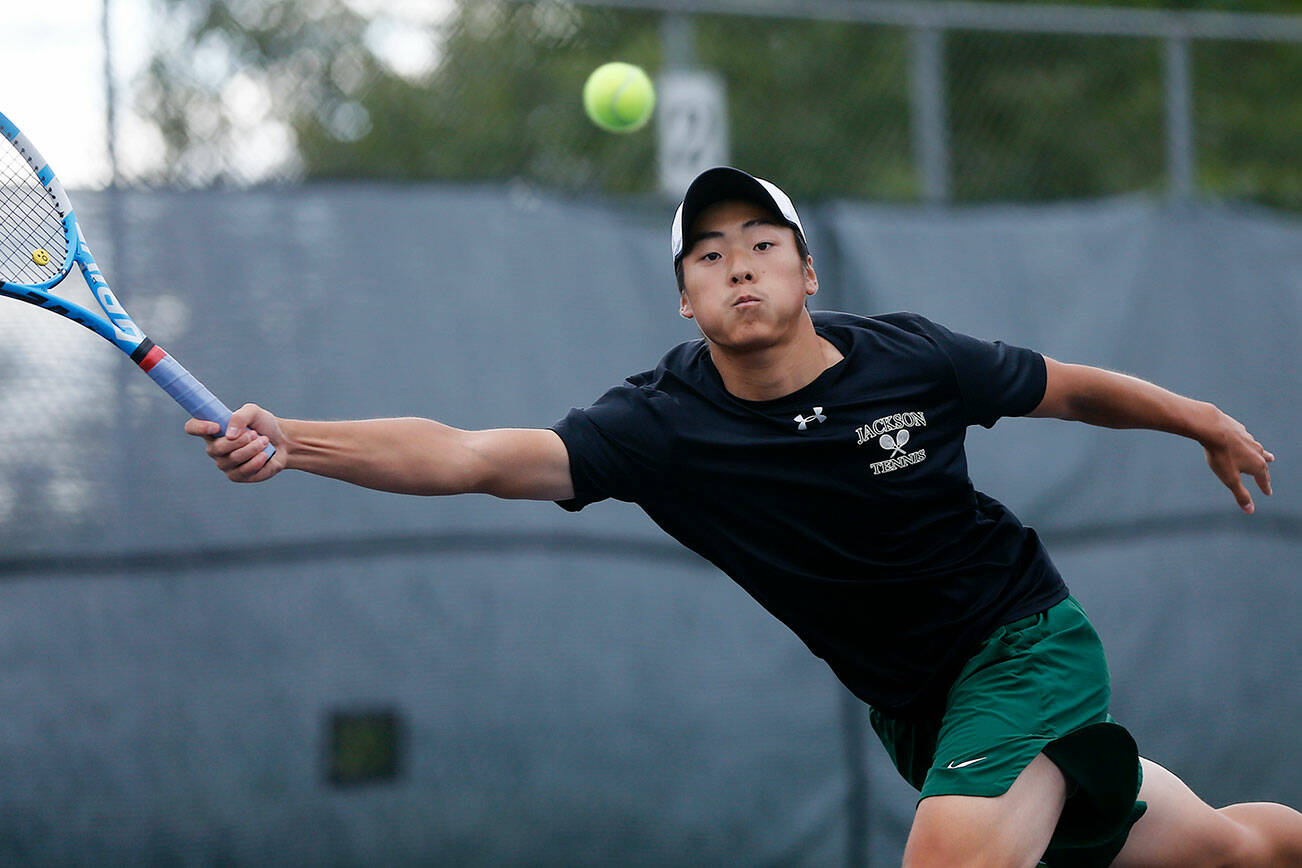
x: 684, y: 362
x: 684, y: 368
x: 912, y: 323
x: 883, y: 323
x: 651, y: 395
x: 901, y: 331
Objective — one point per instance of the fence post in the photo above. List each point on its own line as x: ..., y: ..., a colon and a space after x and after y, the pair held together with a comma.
x: 110, y: 95
x: 930, y: 127
x: 1179, y: 118
x: 678, y: 41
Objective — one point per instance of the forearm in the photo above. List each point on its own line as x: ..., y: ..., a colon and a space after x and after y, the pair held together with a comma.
x: 407, y: 456
x: 1084, y: 394
x: 1097, y: 397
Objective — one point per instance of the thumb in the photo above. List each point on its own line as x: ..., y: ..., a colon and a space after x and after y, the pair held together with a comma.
x: 240, y: 420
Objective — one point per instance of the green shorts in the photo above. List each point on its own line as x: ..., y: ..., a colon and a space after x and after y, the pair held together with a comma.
x: 1036, y: 685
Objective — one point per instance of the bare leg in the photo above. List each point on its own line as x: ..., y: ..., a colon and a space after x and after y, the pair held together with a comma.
x: 1180, y: 830
x: 1008, y: 831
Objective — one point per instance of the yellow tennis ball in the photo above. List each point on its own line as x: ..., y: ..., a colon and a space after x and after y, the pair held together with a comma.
x: 619, y: 97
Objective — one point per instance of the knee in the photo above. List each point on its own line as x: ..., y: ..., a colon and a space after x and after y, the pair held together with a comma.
x: 941, y: 853
x: 937, y: 857
x: 961, y: 860
x: 1260, y: 833
x: 1237, y: 845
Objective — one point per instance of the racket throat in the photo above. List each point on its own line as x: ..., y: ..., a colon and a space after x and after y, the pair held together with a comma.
x: 175, y: 380
x: 147, y: 355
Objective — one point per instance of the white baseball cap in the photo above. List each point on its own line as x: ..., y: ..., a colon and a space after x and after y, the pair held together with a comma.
x: 722, y: 183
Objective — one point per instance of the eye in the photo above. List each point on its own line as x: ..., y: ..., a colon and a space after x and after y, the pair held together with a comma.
x: 711, y: 256
x: 764, y: 245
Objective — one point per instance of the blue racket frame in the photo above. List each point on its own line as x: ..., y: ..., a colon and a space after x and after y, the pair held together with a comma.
x: 116, y: 325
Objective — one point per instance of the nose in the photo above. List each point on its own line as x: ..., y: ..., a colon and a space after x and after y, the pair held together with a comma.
x: 742, y: 274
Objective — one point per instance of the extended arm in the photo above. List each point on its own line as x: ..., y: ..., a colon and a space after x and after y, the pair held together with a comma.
x: 408, y: 456
x: 1084, y: 394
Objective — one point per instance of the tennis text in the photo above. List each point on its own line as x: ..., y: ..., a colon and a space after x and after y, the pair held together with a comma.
x: 890, y: 464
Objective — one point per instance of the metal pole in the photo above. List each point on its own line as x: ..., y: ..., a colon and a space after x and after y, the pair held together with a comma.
x: 930, y: 130
x: 1179, y: 118
x: 996, y: 17
x: 110, y: 96
x: 678, y: 41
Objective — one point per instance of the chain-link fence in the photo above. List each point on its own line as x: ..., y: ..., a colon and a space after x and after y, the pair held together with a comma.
x: 310, y: 673
x: 886, y: 101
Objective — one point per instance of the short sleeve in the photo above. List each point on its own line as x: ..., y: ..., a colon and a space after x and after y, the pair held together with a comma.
x: 995, y: 379
x: 616, y: 447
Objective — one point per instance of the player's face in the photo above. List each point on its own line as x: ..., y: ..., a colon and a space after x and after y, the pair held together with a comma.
x: 744, y: 281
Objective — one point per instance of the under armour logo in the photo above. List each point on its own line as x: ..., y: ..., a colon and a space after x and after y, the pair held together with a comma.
x: 896, y: 445
x: 817, y: 417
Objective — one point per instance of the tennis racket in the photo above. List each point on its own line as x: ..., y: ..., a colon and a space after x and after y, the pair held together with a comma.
x: 39, y: 243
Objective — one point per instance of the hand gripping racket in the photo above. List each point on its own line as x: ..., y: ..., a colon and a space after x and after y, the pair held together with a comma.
x: 39, y: 242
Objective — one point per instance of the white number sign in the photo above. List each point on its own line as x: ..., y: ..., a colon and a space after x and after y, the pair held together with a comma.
x: 692, y: 122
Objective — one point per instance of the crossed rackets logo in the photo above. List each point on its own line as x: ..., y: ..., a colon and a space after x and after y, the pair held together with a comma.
x: 805, y: 420
x: 880, y: 431
x: 896, y: 444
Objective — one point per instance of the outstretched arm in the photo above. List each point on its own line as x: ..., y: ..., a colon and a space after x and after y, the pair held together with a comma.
x: 408, y: 456
x: 1083, y: 394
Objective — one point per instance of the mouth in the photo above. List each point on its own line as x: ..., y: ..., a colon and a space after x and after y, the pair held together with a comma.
x: 745, y: 301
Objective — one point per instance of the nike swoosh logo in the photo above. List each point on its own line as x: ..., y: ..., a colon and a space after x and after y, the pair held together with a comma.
x: 970, y: 762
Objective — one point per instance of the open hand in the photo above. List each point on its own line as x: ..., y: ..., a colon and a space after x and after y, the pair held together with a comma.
x: 1233, y: 452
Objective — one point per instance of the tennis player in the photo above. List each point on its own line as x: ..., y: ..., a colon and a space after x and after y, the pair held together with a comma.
x: 818, y: 460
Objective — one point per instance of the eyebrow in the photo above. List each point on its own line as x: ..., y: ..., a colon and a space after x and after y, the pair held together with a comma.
x: 758, y: 221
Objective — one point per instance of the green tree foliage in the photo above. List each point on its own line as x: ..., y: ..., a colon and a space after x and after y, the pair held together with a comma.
x: 822, y: 105
x: 1248, y: 120
x: 503, y: 103
x: 1063, y: 116
x: 213, y: 57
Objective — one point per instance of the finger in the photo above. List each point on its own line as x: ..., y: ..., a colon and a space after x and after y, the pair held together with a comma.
x: 202, y: 428
x: 222, y: 448
x: 255, y: 468
x: 1263, y: 479
x: 251, y: 445
x: 1262, y: 451
x: 1232, y: 479
x: 1242, y: 496
x: 242, y: 419
x: 268, y: 469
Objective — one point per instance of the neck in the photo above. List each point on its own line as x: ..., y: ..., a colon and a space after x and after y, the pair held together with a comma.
x: 775, y: 371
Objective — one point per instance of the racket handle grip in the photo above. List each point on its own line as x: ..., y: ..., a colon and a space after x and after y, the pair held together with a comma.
x: 191, y: 394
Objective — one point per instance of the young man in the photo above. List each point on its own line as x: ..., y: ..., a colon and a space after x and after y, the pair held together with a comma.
x: 818, y: 461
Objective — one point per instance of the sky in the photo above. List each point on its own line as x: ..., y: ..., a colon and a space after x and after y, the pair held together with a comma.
x: 52, y: 86
x: 64, y: 115
x: 61, y: 108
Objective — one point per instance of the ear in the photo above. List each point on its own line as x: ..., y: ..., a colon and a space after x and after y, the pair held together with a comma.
x: 811, y: 278
x: 684, y: 306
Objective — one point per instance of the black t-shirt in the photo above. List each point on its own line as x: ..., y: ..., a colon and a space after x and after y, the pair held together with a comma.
x: 844, y: 508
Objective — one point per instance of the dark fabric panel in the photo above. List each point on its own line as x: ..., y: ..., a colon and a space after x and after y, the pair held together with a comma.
x: 574, y: 689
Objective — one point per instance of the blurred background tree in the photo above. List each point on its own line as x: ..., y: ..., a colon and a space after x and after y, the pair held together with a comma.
x: 488, y: 91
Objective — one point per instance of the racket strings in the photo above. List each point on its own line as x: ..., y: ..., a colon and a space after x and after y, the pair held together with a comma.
x: 30, y: 222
